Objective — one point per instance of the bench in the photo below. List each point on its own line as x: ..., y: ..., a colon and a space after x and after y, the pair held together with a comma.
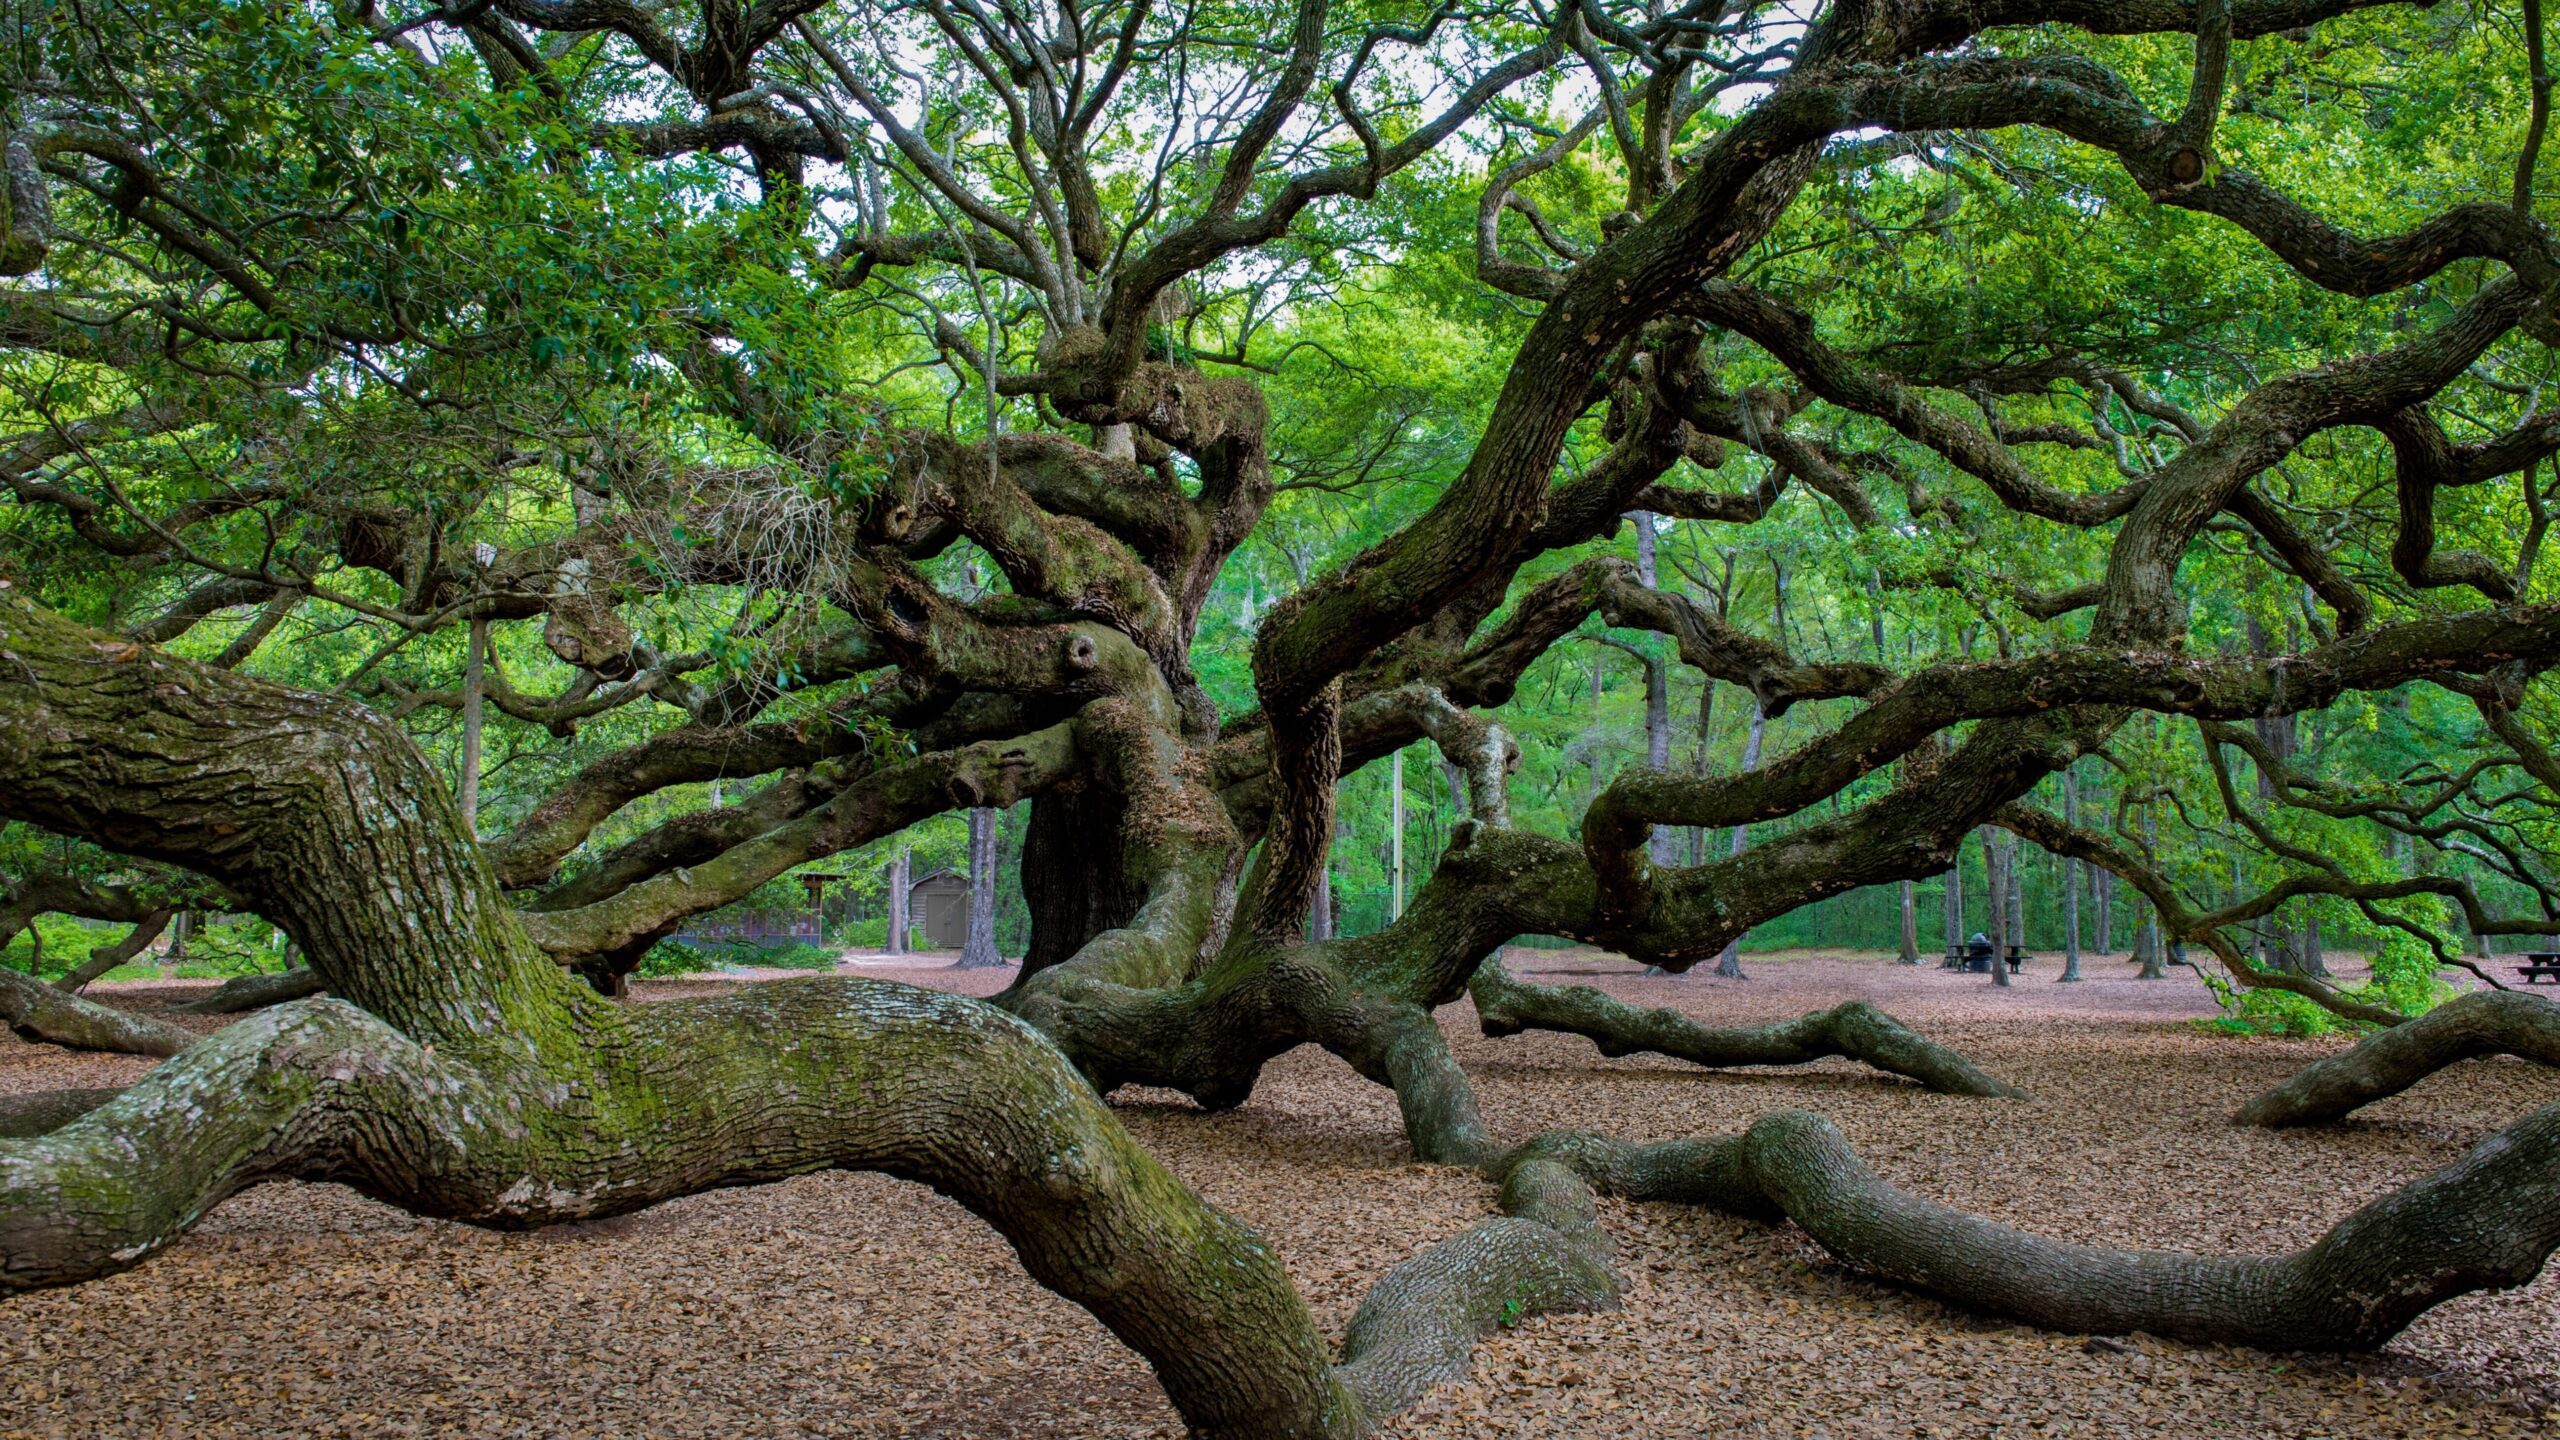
x: 2539, y: 963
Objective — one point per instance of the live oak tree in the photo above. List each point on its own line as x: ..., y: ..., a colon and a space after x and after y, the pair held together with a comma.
x: 887, y: 412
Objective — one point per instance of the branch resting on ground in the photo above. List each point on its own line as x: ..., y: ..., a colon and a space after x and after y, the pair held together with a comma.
x: 2496, y: 1022
x: 1857, y: 1030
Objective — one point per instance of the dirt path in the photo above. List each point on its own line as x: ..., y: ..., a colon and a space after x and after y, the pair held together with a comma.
x: 852, y: 1305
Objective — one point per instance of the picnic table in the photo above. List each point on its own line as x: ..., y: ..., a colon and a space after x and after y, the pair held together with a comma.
x: 1975, y: 958
x: 2539, y: 963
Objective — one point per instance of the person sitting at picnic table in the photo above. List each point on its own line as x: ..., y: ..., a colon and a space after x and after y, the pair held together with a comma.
x: 1977, y: 952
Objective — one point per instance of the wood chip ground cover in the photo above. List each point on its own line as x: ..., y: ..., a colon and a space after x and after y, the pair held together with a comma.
x: 854, y: 1305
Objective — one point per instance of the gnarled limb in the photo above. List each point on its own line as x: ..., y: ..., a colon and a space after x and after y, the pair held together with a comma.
x: 2493, y: 1022
x: 2488, y: 1221
x: 1856, y: 1030
x: 103, y: 958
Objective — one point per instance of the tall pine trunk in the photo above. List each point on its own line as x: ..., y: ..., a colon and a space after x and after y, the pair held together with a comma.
x: 980, y: 950
x: 1729, y: 964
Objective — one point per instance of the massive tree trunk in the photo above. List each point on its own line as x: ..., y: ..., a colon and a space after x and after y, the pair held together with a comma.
x: 464, y: 1075
x: 1070, y: 878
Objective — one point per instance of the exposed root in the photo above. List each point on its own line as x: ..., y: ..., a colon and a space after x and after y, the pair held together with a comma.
x: 42, y: 1013
x: 1857, y: 1030
x: 2492, y: 1022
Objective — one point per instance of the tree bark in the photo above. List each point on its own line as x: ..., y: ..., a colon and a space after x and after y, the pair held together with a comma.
x: 2103, y: 883
x: 2150, y: 944
x: 1995, y: 887
x: 2489, y: 1022
x: 1952, y: 905
x: 46, y: 1015
x: 1072, y: 880
x: 1507, y: 1006
x: 895, y: 939
x: 255, y: 992
x: 474, y: 668
x: 979, y: 952
x: 1729, y: 963
x: 2071, y: 880
x: 1910, y: 923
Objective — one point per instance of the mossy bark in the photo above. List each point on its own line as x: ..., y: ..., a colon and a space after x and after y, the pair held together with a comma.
x: 2494, y: 1022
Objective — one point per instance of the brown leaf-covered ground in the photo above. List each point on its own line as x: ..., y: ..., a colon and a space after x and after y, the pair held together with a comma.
x: 854, y: 1305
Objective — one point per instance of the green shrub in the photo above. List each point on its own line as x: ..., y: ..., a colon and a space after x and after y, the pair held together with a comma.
x: 797, y: 955
x: 871, y: 934
x: 674, y: 957
x: 66, y: 943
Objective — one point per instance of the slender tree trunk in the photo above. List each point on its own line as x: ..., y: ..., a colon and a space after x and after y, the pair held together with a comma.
x: 1657, y: 689
x: 1729, y: 964
x: 474, y: 680
x: 980, y: 950
x: 1395, y: 839
x: 896, y: 941
x: 2070, y: 880
x: 2103, y: 884
x: 1320, y: 914
x: 1910, y: 924
x: 1698, y: 761
x: 1953, y: 903
x: 1657, y: 748
x: 2017, y: 891
x: 1995, y: 885
x: 2153, y: 944
x: 179, y: 933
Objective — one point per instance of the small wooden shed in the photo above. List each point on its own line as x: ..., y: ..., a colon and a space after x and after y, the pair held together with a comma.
x: 940, y: 903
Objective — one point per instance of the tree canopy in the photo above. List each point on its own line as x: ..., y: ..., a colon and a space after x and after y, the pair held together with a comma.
x: 1844, y: 428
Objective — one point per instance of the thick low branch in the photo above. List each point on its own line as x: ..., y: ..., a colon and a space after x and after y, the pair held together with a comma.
x: 2482, y: 1023
x: 2488, y: 1221
x: 255, y: 992
x: 47, y: 1015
